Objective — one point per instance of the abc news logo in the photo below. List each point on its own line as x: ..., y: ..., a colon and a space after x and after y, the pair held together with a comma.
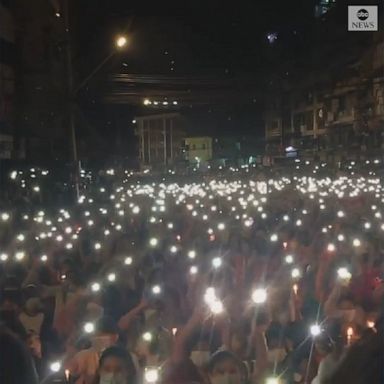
x: 362, y: 18
x: 362, y: 15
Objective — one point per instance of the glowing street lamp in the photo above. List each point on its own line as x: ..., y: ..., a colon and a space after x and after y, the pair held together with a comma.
x: 121, y: 41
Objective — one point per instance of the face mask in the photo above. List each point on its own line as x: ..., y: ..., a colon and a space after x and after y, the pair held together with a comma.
x: 234, y: 378
x: 276, y: 355
x: 348, y: 314
x: 200, y: 358
x: 112, y: 378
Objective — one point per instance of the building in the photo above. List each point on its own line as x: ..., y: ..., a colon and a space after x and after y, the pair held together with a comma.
x: 7, y: 78
x: 198, y: 149
x: 330, y: 107
x: 161, y: 139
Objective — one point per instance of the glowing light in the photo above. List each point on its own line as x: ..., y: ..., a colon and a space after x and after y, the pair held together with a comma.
x: 19, y: 255
x: 5, y: 216
x: 151, y: 375
x: 289, y: 259
x: 89, y: 328
x: 192, y: 254
x: 20, y: 237
x: 44, y: 258
x: 3, y: 257
x: 356, y: 243
x: 217, y: 307
x: 221, y: 226
x: 136, y: 210
x: 344, y: 273
x: 55, y: 366
x: 340, y: 237
x: 193, y: 270
x: 295, y: 273
x: 147, y: 336
x: 128, y: 260
x: 315, y: 330
x: 121, y: 41
x: 259, y: 296
x: 274, y: 237
x: 217, y: 262
x: 111, y: 277
x: 173, y: 249
x: 272, y: 380
x: 156, y: 289
x: 95, y: 287
x: 331, y: 247
x: 97, y: 246
x: 370, y: 324
x: 153, y: 242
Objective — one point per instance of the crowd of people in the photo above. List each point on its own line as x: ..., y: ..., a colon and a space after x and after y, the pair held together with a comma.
x: 243, y: 276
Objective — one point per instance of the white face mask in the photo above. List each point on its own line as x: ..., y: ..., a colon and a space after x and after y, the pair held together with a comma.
x: 200, y: 358
x: 227, y: 378
x: 276, y: 355
x: 112, y: 378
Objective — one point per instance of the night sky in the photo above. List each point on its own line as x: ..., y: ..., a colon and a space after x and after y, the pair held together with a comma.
x: 197, y: 42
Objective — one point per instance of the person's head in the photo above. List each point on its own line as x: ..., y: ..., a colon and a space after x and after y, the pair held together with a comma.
x: 106, y: 335
x: 147, y: 345
x: 238, y: 341
x: 225, y: 368
x: 34, y: 344
x: 16, y: 366
x: 116, y: 367
x: 33, y: 306
x: 10, y: 298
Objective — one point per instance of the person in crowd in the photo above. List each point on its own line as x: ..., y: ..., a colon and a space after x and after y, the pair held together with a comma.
x: 225, y: 368
x: 16, y: 364
x: 85, y: 363
x: 32, y: 316
x: 115, y: 367
x: 154, y: 281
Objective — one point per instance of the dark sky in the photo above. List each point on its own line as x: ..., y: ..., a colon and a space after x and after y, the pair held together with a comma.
x: 199, y: 36
x: 212, y: 39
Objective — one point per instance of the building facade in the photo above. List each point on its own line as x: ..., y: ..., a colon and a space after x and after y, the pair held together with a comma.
x: 161, y: 139
x: 7, y: 78
x: 198, y: 149
x: 327, y: 114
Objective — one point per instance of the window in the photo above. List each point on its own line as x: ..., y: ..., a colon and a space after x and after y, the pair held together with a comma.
x: 342, y: 103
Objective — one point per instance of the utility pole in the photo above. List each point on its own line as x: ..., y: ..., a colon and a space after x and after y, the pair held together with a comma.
x: 70, y: 98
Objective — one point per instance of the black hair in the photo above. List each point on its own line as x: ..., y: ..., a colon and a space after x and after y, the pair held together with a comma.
x: 107, y: 325
x: 123, y: 355
x: 220, y: 356
x: 16, y: 365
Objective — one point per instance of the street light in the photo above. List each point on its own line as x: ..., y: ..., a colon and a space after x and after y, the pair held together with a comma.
x: 121, y: 41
